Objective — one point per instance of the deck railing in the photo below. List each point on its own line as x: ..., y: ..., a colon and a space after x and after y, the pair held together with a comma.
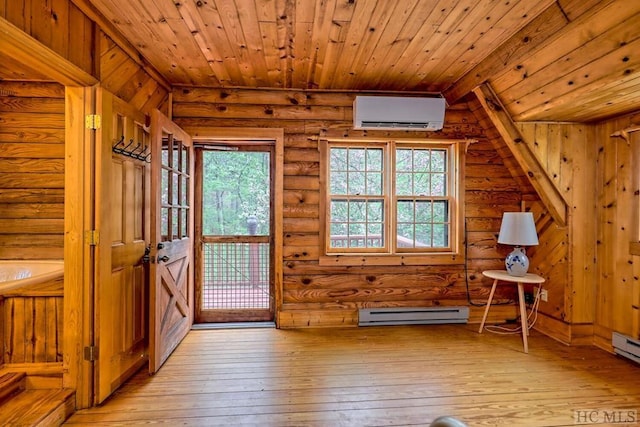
x: 369, y: 241
x: 237, y: 274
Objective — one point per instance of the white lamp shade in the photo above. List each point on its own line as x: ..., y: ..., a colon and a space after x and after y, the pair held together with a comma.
x: 518, y: 229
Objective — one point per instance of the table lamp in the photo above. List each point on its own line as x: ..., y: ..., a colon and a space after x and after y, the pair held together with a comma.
x: 517, y: 229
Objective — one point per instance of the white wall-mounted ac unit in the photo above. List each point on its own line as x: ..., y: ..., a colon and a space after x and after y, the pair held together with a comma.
x: 398, y: 113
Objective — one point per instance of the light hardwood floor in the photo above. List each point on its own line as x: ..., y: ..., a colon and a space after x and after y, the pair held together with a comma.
x: 377, y: 376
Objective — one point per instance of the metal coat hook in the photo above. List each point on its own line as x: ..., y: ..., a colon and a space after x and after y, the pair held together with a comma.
x: 144, y: 156
x: 132, y: 153
x: 139, y: 152
x: 116, y: 148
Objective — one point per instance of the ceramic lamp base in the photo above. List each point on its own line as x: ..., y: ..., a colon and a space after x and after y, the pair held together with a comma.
x: 517, y: 262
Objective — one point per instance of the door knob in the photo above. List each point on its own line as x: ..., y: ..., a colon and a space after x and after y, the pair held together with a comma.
x: 146, y: 258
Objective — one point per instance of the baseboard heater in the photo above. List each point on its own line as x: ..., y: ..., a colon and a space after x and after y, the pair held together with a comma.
x: 626, y: 347
x: 412, y: 316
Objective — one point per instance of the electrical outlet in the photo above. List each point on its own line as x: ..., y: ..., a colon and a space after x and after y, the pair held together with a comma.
x: 544, y: 296
x: 528, y: 297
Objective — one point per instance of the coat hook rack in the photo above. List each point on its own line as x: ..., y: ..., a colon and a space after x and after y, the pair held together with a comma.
x: 138, y: 152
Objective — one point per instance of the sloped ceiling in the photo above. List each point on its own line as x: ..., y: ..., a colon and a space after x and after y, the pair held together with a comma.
x: 558, y: 60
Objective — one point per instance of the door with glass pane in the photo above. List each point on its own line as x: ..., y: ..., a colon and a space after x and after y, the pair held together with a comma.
x: 171, y: 268
x: 233, y: 228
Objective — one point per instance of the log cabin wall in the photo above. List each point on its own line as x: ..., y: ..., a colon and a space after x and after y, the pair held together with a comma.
x: 617, y: 305
x: 31, y: 170
x: 32, y: 147
x: 32, y: 123
x: 315, y: 295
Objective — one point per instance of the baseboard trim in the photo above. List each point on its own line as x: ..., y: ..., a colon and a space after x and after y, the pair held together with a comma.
x: 569, y: 334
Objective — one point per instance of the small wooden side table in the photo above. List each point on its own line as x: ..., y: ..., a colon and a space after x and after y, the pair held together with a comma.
x: 502, y: 275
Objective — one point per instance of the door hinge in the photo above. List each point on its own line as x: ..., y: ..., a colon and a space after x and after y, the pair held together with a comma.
x: 92, y: 237
x: 91, y: 353
x: 93, y: 121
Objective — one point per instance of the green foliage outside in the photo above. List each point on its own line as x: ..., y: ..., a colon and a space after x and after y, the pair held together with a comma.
x: 357, y: 204
x: 236, y: 191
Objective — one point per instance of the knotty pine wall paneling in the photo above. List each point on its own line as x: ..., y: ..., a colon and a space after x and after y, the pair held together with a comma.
x: 316, y: 295
x: 57, y: 24
x: 617, y: 305
x: 567, y: 257
x: 128, y: 80
x: 31, y: 170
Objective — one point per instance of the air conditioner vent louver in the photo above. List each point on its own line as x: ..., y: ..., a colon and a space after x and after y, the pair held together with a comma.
x: 412, y: 316
x: 398, y: 113
x: 401, y: 125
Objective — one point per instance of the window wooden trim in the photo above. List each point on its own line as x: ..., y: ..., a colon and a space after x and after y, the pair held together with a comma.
x: 435, y: 257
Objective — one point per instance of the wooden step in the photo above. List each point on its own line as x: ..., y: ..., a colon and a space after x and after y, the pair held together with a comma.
x: 11, y: 383
x: 38, y: 408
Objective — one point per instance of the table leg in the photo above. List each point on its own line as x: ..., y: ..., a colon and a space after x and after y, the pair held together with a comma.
x: 486, y: 310
x: 523, y: 316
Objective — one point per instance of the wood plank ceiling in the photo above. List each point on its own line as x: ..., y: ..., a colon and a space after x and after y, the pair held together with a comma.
x: 559, y: 60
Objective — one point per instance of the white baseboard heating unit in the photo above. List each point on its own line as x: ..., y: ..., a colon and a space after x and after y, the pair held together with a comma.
x: 626, y: 346
x: 412, y: 316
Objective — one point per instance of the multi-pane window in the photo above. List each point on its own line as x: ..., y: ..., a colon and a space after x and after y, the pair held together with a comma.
x: 357, y: 198
x: 391, y: 197
x: 422, y: 198
x: 174, y: 210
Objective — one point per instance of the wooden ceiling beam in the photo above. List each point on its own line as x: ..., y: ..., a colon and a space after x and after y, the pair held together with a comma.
x: 545, y: 26
x: 28, y: 51
x: 544, y: 186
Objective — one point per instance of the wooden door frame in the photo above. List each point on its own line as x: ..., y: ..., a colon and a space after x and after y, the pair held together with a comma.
x: 78, y: 252
x: 231, y: 315
x: 258, y: 135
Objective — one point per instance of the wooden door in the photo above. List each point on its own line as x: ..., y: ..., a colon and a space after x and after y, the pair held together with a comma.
x: 171, y: 268
x: 121, y: 237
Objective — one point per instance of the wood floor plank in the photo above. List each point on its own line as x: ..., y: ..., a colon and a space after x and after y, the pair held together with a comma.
x: 402, y: 375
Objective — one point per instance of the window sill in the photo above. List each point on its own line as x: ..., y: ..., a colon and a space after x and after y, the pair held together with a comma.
x: 405, y: 259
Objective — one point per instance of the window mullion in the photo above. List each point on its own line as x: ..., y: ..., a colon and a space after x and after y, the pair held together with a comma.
x: 390, y: 196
